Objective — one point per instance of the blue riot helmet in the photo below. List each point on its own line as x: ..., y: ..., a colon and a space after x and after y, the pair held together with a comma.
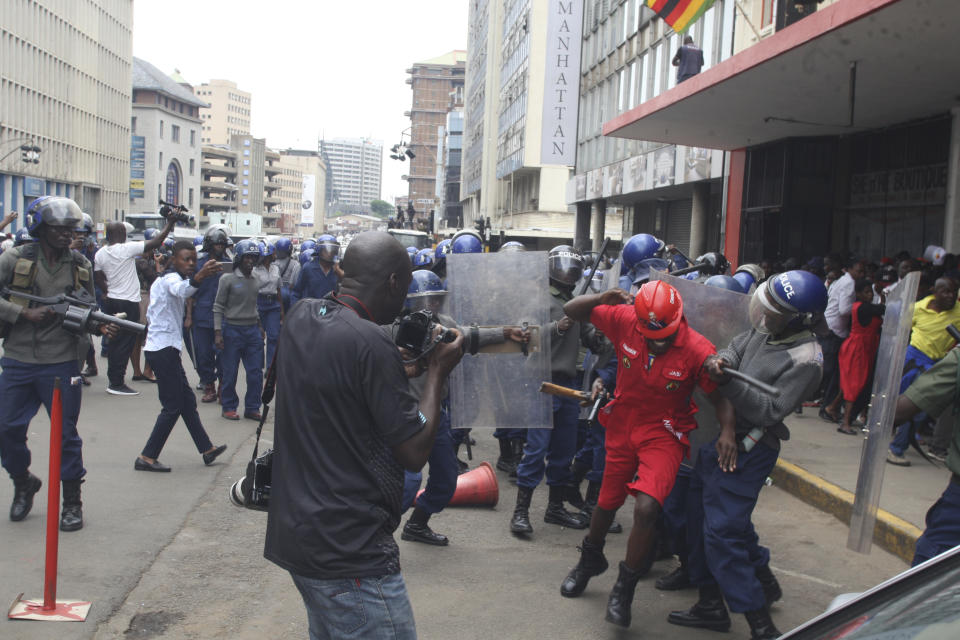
x: 789, y: 299
x: 22, y: 237
x: 423, y: 259
x: 168, y: 244
x: 596, y: 281
x: 466, y: 241
x: 512, y: 245
x: 87, y: 225
x: 197, y: 241
x: 246, y: 247
x: 640, y: 247
x: 441, y: 251
x: 677, y: 262
x: 149, y: 234
x: 267, y: 249
x: 309, y: 243
x: 714, y: 264
x: 641, y: 272
x: 748, y: 275
x: 412, y: 252
x: 724, y: 282
x: 566, y: 265
x: 284, y: 247
x: 306, y: 256
x: 327, y: 248
x: 426, y: 291
x: 55, y: 211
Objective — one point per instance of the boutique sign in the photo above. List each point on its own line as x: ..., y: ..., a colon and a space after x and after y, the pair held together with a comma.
x: 561, y: 91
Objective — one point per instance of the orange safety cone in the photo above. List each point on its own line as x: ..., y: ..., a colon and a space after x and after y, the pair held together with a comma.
x: 477, y: 487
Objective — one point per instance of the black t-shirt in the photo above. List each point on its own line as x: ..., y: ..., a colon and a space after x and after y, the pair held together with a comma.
x: 342, y: 402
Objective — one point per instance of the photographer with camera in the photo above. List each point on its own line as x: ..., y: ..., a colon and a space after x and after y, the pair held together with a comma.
x: 37, y: 349
x: 168, y: 296
x: 115, y: 272
x: 344, y: 433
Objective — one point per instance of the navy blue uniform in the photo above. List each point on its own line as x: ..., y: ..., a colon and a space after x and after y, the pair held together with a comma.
x: 208, y: 356
x: 313, y: 282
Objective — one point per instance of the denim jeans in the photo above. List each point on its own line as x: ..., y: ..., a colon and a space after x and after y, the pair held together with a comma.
x: 242, y: 343
x: 353, y: 608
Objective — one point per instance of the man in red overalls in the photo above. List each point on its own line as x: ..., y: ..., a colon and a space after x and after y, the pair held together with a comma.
x: 660, y: 362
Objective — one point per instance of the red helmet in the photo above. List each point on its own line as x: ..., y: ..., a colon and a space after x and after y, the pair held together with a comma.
x: 659, y: 310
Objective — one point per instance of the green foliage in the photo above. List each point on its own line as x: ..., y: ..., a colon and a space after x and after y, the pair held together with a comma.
x: 382, y: 209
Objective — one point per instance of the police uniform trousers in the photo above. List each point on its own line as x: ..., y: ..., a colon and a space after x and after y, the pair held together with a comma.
x: 208, y: 356
x: 943, y: 525
x: 242, y: 343
x: 675, y: 513
x: 593, y: 453
x: 509, y: 434
x: 723, y: 545
x: 550, y: 451
x: 442, y: 475
x: 23, y: 388
x: 268, y: 307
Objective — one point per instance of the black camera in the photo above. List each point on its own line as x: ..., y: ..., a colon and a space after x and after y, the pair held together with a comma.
x: 177, y: 212
x: 414, y: 332
x: 253, y: 489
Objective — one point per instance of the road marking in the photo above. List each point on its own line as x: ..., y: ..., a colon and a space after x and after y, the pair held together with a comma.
x: 797, y: 574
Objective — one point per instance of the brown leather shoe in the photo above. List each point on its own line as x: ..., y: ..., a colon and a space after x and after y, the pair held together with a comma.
x: 252, y: 415
x: 209, y: 393
x: 231, y: 415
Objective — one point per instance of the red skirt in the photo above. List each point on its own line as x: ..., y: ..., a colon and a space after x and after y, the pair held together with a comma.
x: 858, y: 354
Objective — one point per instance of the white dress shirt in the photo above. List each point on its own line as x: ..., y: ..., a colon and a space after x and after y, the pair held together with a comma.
x: 168, y: 297
x: 118, y: 264
x: 840, y: 299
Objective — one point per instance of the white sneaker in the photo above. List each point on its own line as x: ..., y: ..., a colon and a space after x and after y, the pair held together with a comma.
x: 122, y: 390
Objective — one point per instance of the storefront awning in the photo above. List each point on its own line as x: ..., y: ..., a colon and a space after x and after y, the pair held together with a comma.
x: 797, y: 82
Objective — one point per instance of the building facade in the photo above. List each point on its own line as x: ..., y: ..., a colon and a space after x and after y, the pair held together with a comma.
x: 228, y: 113
x: 355, y: 173
x: 437, y: 86
x: 449, y: 213
x: 165, y: 141
x: 241, y: 177
x: 306, y: 210
x: 65, y: 87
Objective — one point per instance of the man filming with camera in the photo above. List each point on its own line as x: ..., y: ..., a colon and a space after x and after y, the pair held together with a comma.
x: 344, y: 434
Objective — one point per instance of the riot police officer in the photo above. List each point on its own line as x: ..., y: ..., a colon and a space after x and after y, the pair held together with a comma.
x: 289, y: 269
x: 269, y: 305
x: 199, y: 317
x: 321, y: 275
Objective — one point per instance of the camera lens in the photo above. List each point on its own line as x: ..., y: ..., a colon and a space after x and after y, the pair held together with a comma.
x: 237, y: 491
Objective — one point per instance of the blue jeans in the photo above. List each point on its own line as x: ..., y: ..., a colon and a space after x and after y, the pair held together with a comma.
x: 723, y: 545
x: 550, y: 451
x: 354, y: 608
x: 208, y: 356
x: 442, y: 479
x: 242, y: 343
x: 915, y: 363
x: 269, y: 311
x: 943, y: 526
x: 23, y: 388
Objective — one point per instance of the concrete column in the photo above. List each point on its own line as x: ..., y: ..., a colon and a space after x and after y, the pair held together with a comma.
x: 581, y: 234
x: 699, y: 220
x: 599, y: 226
x: 951, y: 217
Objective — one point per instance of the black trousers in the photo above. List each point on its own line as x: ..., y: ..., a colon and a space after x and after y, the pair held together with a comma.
x: 121, y: 346
x: 830, y: 383
x: 177, y: 400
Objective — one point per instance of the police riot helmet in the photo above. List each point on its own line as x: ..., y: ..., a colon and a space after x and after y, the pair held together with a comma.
x: 791, y: 298
x: 327, y: 248
x: 596, y: 280
x: 284, y: 246
x: 412, y: 253
x: 512, y: 245
x: 87, y: 224
x: 640, y: 247
x: 309, y: 243
x: 466, y: 241
x: 566, y: 264
x: 22, y: 237
x: 426, y: 290
x: 149, y: 234
x: 55, y: 211
x: 748, y: 275
x: 659, y: 310
x: 246, y: 247
x: 714, y: 264
x: 216, y: 234
x: 197, y: 241
x: 641, y: 272
x: 423, y: 259
x: 267, y: 249
x: 443, y: 248
x: 306, y: 256
x: 168, y: 244
x: 724, y: 282
x: 677, y: 262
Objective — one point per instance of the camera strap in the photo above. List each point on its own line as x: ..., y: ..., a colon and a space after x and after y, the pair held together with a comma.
x: 269, y: 387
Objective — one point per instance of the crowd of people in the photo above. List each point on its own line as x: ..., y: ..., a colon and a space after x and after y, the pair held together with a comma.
x: 355, y: 434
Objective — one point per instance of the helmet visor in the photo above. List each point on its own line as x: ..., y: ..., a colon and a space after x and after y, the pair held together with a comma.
x: 432, y: 301
x: 566, y: 267
x: 766, y: 315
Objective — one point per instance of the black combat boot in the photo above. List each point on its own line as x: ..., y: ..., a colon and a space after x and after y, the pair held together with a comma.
x: 417, y: 530
x: 675, y: 580
x: 23, y: 489
x: 71, y: 518
x: 592, y: 563
x: 516, y: 444
x: 621, y: 596
x: 520, y: 523
x: 771, y: 588
x: 571, y: 494
x: 708, y: 613
x: 506, y: 462
x: 556, y: 514
x: 761, y: 625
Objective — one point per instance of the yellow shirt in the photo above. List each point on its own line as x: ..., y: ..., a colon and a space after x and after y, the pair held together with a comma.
x: 930, y: 328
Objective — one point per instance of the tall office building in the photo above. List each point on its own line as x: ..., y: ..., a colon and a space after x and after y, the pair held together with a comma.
x: 356, y: 167
x: 433, y: 82
x: 228, y: 113
x: 304, y: 193
x: 65, y: 88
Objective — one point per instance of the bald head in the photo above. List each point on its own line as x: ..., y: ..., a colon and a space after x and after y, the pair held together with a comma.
x: 116, y: 232
x: 376, y: 269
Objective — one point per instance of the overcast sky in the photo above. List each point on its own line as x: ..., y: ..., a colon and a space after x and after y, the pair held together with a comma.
x: 314, y: 67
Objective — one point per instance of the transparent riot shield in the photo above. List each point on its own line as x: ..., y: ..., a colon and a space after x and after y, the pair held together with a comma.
x: 894, y: 339
x: 611, y: 279
x: 499, y: 386
x: 718, y: 315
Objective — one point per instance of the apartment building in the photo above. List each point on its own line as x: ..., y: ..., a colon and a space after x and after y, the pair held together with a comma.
x: 228, y: 112
x: 355, y: 172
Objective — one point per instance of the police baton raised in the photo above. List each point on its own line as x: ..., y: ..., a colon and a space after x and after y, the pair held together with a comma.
x: 593, y: 268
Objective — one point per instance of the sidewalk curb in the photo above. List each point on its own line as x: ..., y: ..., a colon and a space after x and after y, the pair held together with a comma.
x: 891, y: 533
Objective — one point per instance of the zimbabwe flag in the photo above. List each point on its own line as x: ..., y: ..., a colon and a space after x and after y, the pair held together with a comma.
x: 679, y: 14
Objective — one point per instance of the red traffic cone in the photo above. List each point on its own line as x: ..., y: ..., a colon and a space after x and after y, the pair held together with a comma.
x: 477, y: 487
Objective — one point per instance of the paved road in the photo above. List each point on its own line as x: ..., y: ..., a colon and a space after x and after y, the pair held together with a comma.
x: 166, y: 555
